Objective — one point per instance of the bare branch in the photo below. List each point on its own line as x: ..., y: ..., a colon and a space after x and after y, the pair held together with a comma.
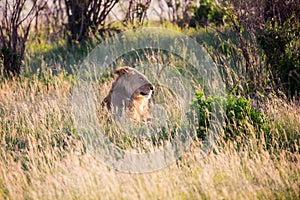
x: 16, y: 23
x: 87, y: 16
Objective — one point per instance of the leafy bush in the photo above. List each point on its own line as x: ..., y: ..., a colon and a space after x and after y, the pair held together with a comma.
x: 281, y: 45
x: 275, y: 131
x: 207, y: 13
x: 240, y: 117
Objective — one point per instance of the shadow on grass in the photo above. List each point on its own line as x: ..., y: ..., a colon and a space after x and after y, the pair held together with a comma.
x: 63, y: 56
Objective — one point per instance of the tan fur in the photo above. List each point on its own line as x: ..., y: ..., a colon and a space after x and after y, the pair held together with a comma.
x: 131, y: 91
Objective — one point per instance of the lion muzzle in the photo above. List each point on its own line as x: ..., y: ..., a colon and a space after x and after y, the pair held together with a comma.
x: 145, y: 91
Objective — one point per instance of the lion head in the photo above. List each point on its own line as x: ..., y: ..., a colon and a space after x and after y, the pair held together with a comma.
x: 131, y: 90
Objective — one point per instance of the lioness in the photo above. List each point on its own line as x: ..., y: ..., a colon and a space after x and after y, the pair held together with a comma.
x: 130, y: 90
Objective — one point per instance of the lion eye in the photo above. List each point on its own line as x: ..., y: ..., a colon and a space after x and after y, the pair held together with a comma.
x: 142, y: 79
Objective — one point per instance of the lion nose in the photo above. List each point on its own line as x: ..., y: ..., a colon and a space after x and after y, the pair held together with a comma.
x: 151, y: 87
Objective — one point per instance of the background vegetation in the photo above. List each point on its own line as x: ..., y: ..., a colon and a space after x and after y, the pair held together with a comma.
x: 256, y: 48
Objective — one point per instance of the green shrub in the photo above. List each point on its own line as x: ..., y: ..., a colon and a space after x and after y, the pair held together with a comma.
x: 240, y: 117
x: 275, y: 131
x: 207, y: 13
x: 281, y: 45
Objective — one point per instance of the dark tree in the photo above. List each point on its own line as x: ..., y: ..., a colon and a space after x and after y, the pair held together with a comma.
x: 16, y: 18
x: 87, y: 15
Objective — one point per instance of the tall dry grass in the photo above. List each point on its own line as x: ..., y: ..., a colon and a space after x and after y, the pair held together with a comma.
x: 42, y: 157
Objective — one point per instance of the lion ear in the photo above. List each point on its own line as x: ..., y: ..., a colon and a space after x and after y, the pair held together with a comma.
x: 121, y: 71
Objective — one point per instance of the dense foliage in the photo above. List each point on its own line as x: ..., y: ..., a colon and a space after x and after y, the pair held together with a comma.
x: 207, y: 13
x: 239, y: 115
x: 281, y: 45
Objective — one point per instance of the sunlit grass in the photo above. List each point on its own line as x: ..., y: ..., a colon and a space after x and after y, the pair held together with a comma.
x: 42, y: 155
